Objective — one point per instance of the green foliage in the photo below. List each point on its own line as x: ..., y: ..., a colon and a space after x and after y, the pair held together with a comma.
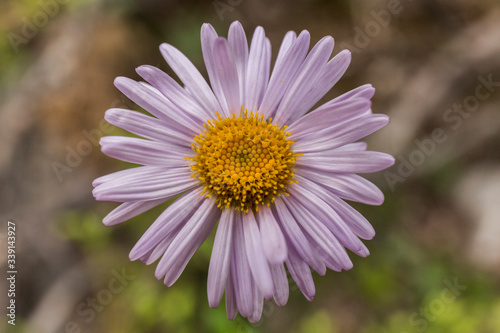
x: 84, y: 229
x: 318, y: 322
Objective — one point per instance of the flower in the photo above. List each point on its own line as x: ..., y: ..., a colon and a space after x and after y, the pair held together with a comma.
x: 247, y: 155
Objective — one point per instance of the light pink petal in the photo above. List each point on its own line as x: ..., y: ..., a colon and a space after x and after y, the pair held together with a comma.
x: 346, y: 161
x: 191, y: 77
x: 330, y: 217
x: 258, y: 303
x: 290, y: 107
x: 221, y: 257
x: 163, y: 185
x: 296, y: 237
x: 172, y: 217
x: 158, y: 105
x: 325, y: 214
x: 280, y: 281
x: 131, y: 173
x: 255, y: 255
x: 356, y: 222
x: 147, y: 127
x: 301, y: 274
x: 330, y: 262
x: 128, y: 210
x: 227, y: 76
x: 239, y: 47
x: 188, y: 240
x: 173, y: 92
x: 348, y: 186
x: 146, y: 186
x: 154, y: 254
x: 320, y: 234
x: 240, y: 270
x: 208, y: 37
x: 339, y: 136
x: 325, y: 118
x: 273, y: 240
x: 327, y: 78
x: 144, y: 152
x: 283, y: 74
x: 365, y: 91
x: 231, y: 306
x: 287, y: 42
x: 257, y: 75
x: 353, y: 146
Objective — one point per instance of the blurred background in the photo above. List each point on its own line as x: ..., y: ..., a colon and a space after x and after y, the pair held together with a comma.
x: 435, y: 262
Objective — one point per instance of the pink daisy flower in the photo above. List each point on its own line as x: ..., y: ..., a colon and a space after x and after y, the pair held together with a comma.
x: 250, y: 156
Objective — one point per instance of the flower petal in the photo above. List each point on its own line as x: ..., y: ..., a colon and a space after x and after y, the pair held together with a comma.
x: 255, y: 255
x: 148, y: 185
x: 280, y: 281
x: 221, y: 257
x: 257, y: 75
x: 337, y: 136
x: 348, y: 186
x: 290, y: 108
x: 301, y: 274
x: 258, y: 304
x: 353, y: 146
x: 240, y: 270
x: 227, y: 76
x: 336, y: 224
x: 319, y: 233
x: 159, y: 250
x: 327, y: 78
x: 144, y: 152
x: 188, y: 240
x: 158, y: 105
x: 173, y: 92
x: 208, y: 37
x: 324, y: 213
x: 326, y: 117
x: 346, y: 161
x: 191, y: 77
x: 296, y: 237
x: 145, y: 126
x: 357, y: 222
x: 365, y: 91
x: 239, y: 47
x: 128, y: 210
x: 172, y: 217
x: 283, y: 74
x: 287, y: 42
x: 273, y: 241
x: 231, y: 306
x: 127, y: 174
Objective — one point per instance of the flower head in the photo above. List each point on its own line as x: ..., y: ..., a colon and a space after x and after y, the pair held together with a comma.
x: 247, y: 153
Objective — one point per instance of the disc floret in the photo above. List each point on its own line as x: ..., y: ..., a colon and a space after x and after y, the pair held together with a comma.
x: 243, y: 161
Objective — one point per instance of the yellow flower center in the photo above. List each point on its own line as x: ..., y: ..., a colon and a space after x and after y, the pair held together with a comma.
x: 243, y: 161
